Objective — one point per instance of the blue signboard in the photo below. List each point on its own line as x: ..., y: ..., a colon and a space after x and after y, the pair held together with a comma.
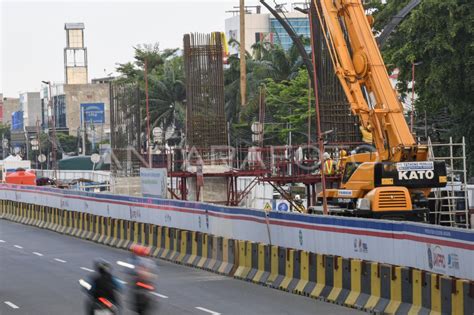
x: 282, y: 206
x: 93, y: 113
x: 17, y: 121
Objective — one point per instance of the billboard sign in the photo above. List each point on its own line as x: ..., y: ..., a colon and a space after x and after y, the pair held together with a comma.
x: 17, y: 120
x: 154, y: 182
x: 93, y: 113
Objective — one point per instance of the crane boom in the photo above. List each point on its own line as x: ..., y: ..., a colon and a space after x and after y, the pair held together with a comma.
x: 396, y: 182
x: 361, y: 70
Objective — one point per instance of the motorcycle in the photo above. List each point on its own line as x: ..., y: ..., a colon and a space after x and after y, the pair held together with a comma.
x: 141, y: 288
x: 141, y: 297
x: 99, y: 306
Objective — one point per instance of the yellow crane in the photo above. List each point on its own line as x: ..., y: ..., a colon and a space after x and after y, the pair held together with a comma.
x: 395, y: 180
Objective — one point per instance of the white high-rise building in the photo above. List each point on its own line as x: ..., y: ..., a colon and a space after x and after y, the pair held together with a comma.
x: 265, y: 27
x: 30, y: 105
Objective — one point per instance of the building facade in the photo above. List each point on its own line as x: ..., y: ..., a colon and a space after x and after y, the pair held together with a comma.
x: 30, y: 105
x: 264, y: 27
x: 10, y: 104
x: 255, y: 25
x: 297, y: 20
x: 76, y: 106
x: 87, y: 105
x: 1, y: 107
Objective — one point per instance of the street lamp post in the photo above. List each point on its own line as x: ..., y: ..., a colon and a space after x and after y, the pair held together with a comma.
x: 52, y: 123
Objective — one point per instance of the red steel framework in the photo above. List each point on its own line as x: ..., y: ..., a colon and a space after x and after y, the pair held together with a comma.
x: 277, y: 165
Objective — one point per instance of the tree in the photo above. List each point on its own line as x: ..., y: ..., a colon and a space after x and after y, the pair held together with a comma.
x: 166, y: 84
x: 168, y: 95
x: 268, y: 61
x: 439, y: 37
x: 287, y: 108
x: 5, y: 134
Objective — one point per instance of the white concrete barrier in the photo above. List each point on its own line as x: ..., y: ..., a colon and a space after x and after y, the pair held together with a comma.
x: 437, y: 249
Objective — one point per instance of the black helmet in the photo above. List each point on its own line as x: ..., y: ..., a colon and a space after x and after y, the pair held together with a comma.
x: 102, y: 266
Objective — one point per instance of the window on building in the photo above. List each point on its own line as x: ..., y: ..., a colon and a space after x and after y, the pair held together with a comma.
x: 300, y: 26
x: 75, y: 38
x: 59, y: 105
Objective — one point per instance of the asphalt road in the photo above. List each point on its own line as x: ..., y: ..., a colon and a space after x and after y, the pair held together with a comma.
x: 40, y: 269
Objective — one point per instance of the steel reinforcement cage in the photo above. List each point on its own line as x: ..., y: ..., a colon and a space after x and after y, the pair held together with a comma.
x: 125, y: 129
x: 203, y: 64
x: 335, y: 110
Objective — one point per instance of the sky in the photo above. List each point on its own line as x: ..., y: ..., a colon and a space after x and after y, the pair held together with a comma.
x: 32, y: 36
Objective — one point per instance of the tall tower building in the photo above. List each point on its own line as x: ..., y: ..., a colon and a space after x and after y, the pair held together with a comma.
x: 75, y: 54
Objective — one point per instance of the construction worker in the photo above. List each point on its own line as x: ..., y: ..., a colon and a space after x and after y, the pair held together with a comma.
x: 328, y: 166
x: 299, y: 204
x: 341, y: 162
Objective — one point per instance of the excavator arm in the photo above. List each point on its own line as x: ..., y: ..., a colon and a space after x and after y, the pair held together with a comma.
x: 361, y: 71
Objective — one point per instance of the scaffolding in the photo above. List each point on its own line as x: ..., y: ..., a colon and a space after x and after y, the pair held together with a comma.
x: 449, y: 205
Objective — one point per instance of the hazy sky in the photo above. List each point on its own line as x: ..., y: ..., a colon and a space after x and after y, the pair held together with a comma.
x: 33, y: 38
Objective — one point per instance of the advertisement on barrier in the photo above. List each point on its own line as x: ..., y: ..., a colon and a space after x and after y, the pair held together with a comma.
x: 154, y: 182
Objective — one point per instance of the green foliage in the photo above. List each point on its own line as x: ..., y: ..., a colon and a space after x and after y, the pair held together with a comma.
x: 268, y: 61
x: 439, y: 35
x: 166, y: 85
x: 67, y: 143
x: 270, y: 64
x: 4, y: 131
x: 287, y: 106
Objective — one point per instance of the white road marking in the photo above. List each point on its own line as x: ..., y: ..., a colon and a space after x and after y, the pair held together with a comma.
x: 59, y: 260
x: 207, y: 311
x: 2, y: 241
x: 17, y: 246
x: 11, y: 304
x: 87, y: 269
x: 126, y: 265
x: 159, y: 295
x: 38, y: 254
x: 121, y: 281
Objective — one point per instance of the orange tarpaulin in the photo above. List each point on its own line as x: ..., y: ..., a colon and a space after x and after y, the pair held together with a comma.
x: 21, y: 178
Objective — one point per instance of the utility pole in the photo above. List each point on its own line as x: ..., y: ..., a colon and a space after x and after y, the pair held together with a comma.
x: 39, y: 140
x: 52, y: 124
x: 309, y: 112
x: 243, y: 63
x: 412, y: 96
x: 412, y: 115
x: 148, y: 140
x: 27, y: 143
x: 318, y: 117
x: 83, y: 131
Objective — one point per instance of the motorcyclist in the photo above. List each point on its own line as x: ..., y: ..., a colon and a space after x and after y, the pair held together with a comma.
x: 143, y: 278
x: 103, y: 285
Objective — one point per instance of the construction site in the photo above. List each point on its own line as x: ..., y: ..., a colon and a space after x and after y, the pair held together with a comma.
x: 209, y: 162
x: 308, y: 148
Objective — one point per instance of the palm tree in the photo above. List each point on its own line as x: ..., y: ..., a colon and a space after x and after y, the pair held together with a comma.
x: 167, y: 94
x: 269, y: 61
x: 166, y: 87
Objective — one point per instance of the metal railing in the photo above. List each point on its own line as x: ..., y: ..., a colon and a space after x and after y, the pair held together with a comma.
x: 451, y: 202
x: 95, y: 176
